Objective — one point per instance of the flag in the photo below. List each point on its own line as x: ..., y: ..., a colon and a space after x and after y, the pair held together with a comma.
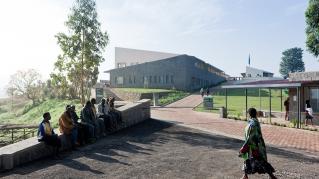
x: 249, y: 60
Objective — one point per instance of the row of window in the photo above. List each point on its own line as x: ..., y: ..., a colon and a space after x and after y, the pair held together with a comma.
x: 196, y: 82
x: 164, y: 79
x: 209, y: 68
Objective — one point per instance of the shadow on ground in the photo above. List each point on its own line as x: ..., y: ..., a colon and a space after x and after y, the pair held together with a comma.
x: 141, y: 139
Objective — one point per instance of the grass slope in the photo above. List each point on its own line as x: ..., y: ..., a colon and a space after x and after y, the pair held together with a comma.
x: 33, y: 115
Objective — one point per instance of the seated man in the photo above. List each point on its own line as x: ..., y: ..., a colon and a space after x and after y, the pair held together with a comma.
x: 99, y: 123
x: 87, y: 120
x: 113, y: 112
x: 47, y: 135
x: 79, y: 126
x: 103, y: 113
x: 67, y: 126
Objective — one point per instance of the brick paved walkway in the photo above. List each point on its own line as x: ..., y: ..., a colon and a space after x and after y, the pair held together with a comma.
x: 181, y: 112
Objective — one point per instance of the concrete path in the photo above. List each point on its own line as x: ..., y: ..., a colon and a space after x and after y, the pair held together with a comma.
x: 181, y: 112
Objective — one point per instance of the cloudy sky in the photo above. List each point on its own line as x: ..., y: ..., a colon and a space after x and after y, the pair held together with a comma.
x: 220, y: 32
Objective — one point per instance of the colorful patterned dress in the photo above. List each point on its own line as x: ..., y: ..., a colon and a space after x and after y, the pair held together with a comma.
x: 253, y: 150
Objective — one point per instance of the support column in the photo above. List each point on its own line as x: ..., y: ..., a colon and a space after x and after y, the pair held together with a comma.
x: 270, y: 105
x: 226, y: 105
x: 298, y: 103
x: 281, y: 99
x: 259, y: 100
x: 246, y: 101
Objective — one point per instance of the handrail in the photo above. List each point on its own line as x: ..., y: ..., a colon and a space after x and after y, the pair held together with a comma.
x: 14, y: 133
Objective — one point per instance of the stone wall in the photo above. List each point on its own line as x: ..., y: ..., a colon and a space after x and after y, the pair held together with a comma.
x: 30, y: 149
x: 129, y: 96
x: 304, y: 76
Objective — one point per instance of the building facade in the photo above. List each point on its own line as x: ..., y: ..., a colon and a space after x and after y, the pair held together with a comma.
x: 180, y: 72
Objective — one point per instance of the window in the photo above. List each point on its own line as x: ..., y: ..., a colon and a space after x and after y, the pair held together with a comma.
x: 130, y: 79
x: 145, y: 80
x: 314, y: 99
x: 155, y: 79
x: 119, y: 80
x: 134, y: 79
x: 121, y: 65
x: 167, y: 79
x: 150, y: 79
x: 172, y: 79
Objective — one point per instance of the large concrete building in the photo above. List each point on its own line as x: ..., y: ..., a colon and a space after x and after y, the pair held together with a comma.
x: 167, y: 71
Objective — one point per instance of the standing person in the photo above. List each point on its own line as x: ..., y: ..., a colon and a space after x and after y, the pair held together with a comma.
x: 286, y: 104
x: 207, y: 91
x: 201, y: 92
x: 253, y: 150
x: 67, y: 126
x: 309, y: 112
x: 47, y: 135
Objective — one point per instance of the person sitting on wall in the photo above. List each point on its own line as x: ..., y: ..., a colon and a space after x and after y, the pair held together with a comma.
x: 67, y: 126
x: 81, y: 128
x: 113, y: 112
x: 99, y: 123
x: 47, y: 135
x: 309, y: 112
x: 87, y: 119
x: 103, y: 113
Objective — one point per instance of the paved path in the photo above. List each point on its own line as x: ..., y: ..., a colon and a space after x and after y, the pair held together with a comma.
x: 181, y: 112
x: 156, y: 149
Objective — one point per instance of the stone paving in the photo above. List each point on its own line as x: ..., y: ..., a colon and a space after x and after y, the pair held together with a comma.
x: 182, y: 113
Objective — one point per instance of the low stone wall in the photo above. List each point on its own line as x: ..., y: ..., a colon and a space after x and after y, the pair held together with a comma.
x: 30, y: 149
x: 128, y: 96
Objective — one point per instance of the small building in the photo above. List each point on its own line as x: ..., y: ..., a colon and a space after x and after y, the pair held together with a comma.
x: 181, y: 72
x: 301, y: 86
x: 256, y: 73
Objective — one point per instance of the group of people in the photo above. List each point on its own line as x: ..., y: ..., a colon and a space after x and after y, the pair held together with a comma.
x: 202, y: 92
x: 308, y: 111
x: 95, y: 123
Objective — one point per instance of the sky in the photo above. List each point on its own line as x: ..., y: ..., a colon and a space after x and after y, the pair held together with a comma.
x: 220, y: 32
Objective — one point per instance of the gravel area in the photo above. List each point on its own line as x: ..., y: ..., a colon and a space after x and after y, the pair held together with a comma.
x: 156, y: 149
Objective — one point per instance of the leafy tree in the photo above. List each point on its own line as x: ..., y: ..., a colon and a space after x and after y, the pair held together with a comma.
x: 291, y: 61
x: 26, y: 83
x: 312, y: 29
x: 76, y: 69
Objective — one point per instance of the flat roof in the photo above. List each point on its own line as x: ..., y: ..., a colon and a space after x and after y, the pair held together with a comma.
x: 265, y: 84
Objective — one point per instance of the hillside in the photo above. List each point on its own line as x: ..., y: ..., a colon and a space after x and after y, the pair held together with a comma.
x: 23, y: 113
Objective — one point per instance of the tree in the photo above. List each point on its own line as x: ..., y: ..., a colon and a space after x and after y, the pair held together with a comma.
x: 291, y: 61
x: 312, y: 28
x: 26, y: 83
x: 77, y: 67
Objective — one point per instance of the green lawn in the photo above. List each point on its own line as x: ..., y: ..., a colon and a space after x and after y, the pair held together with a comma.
x: 142, y: 90
x: 237, y: 104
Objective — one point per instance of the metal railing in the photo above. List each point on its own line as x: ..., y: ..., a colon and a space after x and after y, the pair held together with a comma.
x: 13, y: 133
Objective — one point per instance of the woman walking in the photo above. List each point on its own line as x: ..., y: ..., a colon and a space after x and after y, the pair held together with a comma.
x: 253, y: 150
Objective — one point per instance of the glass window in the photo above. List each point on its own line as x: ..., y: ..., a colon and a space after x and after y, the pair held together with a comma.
x: 314, y: 99
x: 119, y: 80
